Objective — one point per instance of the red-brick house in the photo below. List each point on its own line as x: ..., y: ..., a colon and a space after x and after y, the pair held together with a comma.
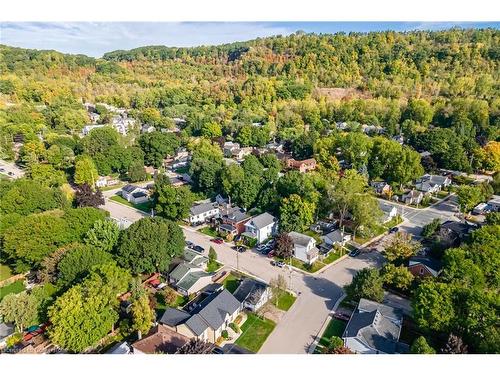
x: 424, y: 267
x: 302, y: 166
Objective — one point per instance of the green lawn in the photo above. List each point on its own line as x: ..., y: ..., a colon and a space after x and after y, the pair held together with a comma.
x: 285, y: 301
x: 254, y: 332
x: 213, y: 266
x: 182, y: 170
x: 316, y: 266
x: 15, y: 287
x: 209, y: 231
x: 379, y: 230
x: 5, y: 272
x: 231, y: 282
x: 145, y: 207
x: 334, y: 255
x: 335, y: 328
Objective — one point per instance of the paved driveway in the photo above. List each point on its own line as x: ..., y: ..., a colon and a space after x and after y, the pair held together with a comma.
x: 12, y: 168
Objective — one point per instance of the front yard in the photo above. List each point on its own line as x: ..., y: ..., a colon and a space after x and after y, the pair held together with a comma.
x: 213, y: 266
x: 284, y: 301
x: 209, y: 231
x: 336, y: 327
x: 5, y: 272
x: 145, y: 207
x: 360, y: 239
x: 254, y: 332
x: 231, y: 282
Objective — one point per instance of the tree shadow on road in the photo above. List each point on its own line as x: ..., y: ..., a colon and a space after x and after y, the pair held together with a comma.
x: 324, y: 288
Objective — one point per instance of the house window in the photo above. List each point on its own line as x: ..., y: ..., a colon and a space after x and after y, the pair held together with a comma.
x: 421, y: 271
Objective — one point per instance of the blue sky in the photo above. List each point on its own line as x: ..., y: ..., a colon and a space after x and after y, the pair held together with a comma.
x: 96, y: 38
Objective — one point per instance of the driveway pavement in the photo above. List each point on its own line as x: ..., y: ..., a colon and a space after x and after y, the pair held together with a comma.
x: 12, y: 168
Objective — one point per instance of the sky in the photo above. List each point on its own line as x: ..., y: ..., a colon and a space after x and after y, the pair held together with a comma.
x: 96, y: 38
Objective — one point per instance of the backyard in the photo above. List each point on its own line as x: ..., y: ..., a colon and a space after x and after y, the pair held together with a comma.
x: 254, y: 332
x: 145, y: 207
x: 335, y: 328
x: 15, y: 287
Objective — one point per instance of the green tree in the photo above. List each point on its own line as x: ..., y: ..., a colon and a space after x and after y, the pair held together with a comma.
x: 84, y: 314
x: 211, y: 130
x: 136, y: 171
x: 367, y: 283
x: 420, y: 346
x: 433, y: 306
x: 46, y: 175
x: 142, y: 314
x: 296, y: 214
x: 172, y: 202
x: 85, y: 171
x: 157, y: 146
x: 399, y: 277
x: 212, y: 254
x: 401, y: 247
x: 149, y: 244
x: 342, y: 195
x: 20, y: 309
x: 80, y: 220
x: 34, y: 237
x: 103, y: 235
x: 365, y: 212
x: 420, y: 111
x: 78, y: 261
x: 468, y: 197
x: 430, y: 229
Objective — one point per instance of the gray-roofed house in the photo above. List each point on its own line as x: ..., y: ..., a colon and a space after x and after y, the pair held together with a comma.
x: 234, y: 216
x: 413, y: 197
x: 388, y: 211
x: 432, y: 183
x: 494, y: 203
x: 120, y: 348
x: 304, y: 247
x: 188, y: 278
x: 200, y: 213
x: 134, y: 194
x: 336, y: 237
x: 261, y: 227
x: 194, y: 258
x: 252, y: 294
x: 374, y: 328
x: 207, y: 320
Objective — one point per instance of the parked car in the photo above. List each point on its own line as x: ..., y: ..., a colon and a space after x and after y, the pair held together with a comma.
x: 10, y: 174
x: 280, y: 264
x: 354, y: 253
x: 217, y: 350
x: 189, y: 244
x: 198, y: 249
x: 217, y: 240
x: 393, y: 230
x: 241, y: 249
x: 2, y: 169
x: 273, y: 263
x: 270, y: 254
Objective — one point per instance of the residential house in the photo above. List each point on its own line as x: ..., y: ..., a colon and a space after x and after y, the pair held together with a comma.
x: 342, y: 125
x: 6, y: 330
x: 389, y: 211
x: 481, y: 209
x: 335, y: 237
x: 494, y: 203
x: 160, y: 340
x: 430, y: 184
x: 234, y: 216
x: 302, y: 166
x: 276, y: 147
x: 304, y: 247
x: 120, y: 348
x: 188, y: 278
x: 229, y: 147
x: 413, y: 197
x: 381, y: 187
x: 252, y: 294
x: 178, y: 121
x: 374, y: 328
x: 240, y: 153
x: 261, y: 227
x: 399, y: 138
x: 203, y: 212
x: 134, y: 194
x: 207, y: 320
x: 424, y: 266
x: 104, y: 181
x: 451, y: 233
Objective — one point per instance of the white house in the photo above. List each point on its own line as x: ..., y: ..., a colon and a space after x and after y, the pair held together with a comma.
x: 261, y: 227
x: 134, y: 194
x: 432, y: 183
x: 304, y: 247
x: 104, y: 181
x: 389, y: 211
x: 336, y: 237
x: 494, y: 203
x: 202, y: 212
x: 88, y: 128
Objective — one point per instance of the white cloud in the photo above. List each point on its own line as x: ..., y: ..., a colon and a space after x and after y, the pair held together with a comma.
x: 96, y: 38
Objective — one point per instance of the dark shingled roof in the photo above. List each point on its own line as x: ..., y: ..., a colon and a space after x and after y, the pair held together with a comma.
x: 431, y: 263
x: 173, y: 317
x: 214, y: 308
x: 250, y: 291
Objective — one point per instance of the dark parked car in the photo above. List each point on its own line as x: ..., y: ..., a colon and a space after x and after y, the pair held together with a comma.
x: 393, y: 230
x: 217, y: 350
x: 241, y: 249
x: 189, y: 244
x: 354, y: 253
x: 198, y: 249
